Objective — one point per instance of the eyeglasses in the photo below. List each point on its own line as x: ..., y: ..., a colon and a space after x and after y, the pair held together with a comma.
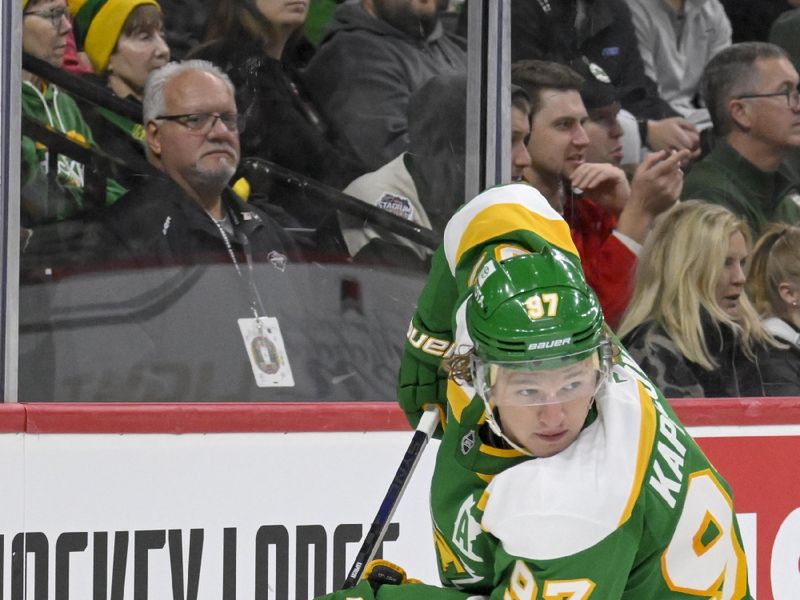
x: 202, y: 123
x: 792, y: 97
x: 54, y: 15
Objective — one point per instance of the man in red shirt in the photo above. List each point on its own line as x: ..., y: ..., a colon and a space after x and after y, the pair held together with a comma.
x: 575, y: 155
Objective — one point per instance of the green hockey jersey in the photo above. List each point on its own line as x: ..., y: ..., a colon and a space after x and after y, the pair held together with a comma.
x: 632, y: 509
x: 613, y: 510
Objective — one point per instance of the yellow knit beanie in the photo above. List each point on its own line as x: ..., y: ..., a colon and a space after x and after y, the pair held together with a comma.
x: 98, y: 25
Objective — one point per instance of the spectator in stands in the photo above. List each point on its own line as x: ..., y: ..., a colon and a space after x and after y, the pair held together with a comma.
x: 602, y: 32
x: 189, y: 22
x: 45, y: 25
x: 676, y: 40
x: 373, y: 56
x: 232, y: 260
x: 751, y: 20
x: 609, y: 219
x: 774, y: 285
x: 690, y: 324
x: 602, y: 125
x: 426, y: 183
x: 124, y: 41
x: 751, y: 93
x: 783, y: 33
x: 284, y: 124
x: 187, y: 214
x: 75, y: 62
x: 185, y: 22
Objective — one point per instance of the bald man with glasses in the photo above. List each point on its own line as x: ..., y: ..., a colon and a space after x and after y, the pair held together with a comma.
x: 751, y: 93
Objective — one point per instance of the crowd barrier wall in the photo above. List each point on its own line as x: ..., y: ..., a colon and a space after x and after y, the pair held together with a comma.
x: 240, y: 501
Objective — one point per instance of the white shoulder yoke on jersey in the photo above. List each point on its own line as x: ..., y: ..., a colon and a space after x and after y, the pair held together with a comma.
x: 501, y: 210
x: 553, y: 507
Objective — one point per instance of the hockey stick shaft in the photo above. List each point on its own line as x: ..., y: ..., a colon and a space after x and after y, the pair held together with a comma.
x: 425, y: 428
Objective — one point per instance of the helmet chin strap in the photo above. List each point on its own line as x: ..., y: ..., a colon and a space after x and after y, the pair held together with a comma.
x: 494, y: 425
x: 494, y: 421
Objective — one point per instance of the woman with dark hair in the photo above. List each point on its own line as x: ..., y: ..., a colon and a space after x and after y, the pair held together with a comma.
x: 249, y: 40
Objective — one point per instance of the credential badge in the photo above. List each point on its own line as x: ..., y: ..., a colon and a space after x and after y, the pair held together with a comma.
x: 278, y: 260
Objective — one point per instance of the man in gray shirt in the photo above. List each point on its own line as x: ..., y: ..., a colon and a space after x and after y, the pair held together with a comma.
x: 676, y: 40
x: 373, y: 55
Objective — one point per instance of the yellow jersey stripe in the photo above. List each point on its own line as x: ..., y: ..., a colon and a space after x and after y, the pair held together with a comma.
x: 484, y: 477
x: 527, y: 199
x: 647, y: 434
x: 499, y: 219
x: 483, y: 500
x: 457, y: 398
x: 501, y: 452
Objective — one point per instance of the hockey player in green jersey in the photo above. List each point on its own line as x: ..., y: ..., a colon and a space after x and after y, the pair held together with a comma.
x: 608, y: 496
x: 562, y: 472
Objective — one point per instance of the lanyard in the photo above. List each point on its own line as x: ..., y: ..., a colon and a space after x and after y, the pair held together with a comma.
x: 256, y: 302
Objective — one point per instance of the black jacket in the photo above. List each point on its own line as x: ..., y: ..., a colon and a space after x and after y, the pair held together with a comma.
x: 119, y: 137
x: 174, y: 297
x: 157, y: 224
x: 545, y: 30
x: 736, y: 376
x: 283, y: 125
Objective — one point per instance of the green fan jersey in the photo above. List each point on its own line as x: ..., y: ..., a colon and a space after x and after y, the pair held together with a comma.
x: 58, y: 111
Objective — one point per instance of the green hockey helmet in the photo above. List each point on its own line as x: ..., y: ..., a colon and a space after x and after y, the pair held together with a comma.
x: 532, y: 313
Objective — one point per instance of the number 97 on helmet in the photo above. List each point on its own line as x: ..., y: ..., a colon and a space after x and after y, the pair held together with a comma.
x: 541, y: 350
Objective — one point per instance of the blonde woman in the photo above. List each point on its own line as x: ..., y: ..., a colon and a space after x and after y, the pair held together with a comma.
x: 690, y: 324
x: 774, y: 285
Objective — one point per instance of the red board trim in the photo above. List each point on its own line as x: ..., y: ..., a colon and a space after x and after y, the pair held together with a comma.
x: 318, y: 417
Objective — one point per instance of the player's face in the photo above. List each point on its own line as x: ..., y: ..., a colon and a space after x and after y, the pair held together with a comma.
x: 520, y: 130
x: 544, y: 411
x: 44, y: 30
x: 605, y: 135
x: 558, y: 140
x: 730, y: 286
